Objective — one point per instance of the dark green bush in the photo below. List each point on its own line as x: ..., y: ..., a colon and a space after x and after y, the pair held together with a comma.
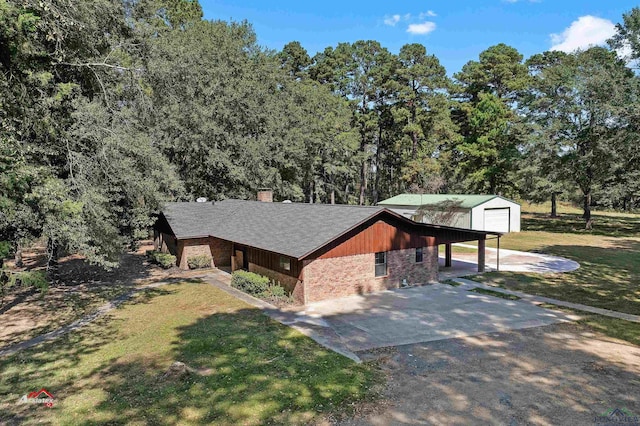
x: 277, y: 291
x: 253, y: 284
x: 260, y: 286
x: 198, y: 262
x: 5, y: 249
x: 165, y: 260
x: 36, y: 279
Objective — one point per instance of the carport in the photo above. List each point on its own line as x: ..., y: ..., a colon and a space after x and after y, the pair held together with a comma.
x: 448, y: 236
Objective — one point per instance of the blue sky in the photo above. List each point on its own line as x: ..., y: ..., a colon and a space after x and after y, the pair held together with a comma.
x: 456, y: 31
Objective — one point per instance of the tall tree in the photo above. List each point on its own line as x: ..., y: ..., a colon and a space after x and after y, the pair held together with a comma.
x: 498, y: 71
x: 61, y: 67
x: 488, y: 91
x: 295, y: 59
x: 359, y: 72
x: 582, y: 100
x: 627, y: 37
x: 422, y: 108
x: 489, y: 151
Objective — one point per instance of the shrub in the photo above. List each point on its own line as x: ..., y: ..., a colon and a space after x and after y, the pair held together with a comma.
x: 198, y: 262
x: 254, y: 284
x: 36, y: 279
x: 260, y: 286
x: 278, y: 295
x: 5, y: 249
x: 276, y: 290
x: 165, y: 260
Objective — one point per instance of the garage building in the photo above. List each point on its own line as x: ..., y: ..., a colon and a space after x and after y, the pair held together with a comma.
x: 478, y: 212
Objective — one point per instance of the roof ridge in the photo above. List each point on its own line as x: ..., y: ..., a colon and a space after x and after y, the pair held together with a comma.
x: 352, y: 206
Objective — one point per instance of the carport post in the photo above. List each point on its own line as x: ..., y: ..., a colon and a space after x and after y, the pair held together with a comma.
x: 481, y: 254
x: 447, y: 255
x: 498, y: 256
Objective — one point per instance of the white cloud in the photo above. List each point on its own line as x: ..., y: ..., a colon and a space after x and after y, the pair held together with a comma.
x: 585, y: 32
x: 423, y: 28
x: 391, y: 20
x: 427, y: 14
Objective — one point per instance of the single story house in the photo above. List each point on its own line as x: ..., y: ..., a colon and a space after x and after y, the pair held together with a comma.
x: 480, y: 212
x: 316, y: 251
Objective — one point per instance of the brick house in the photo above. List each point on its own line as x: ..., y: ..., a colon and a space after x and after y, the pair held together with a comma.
x: 316, y: 251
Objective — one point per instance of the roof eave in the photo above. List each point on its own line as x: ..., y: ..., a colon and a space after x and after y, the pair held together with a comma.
x: 374, y: 214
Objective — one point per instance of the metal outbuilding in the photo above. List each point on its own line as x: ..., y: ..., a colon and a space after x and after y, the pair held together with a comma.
x: 470, y: 211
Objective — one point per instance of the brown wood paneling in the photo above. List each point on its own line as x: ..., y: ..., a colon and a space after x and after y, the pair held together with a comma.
x: 271, y: 260
x: 388, y: 232
x: 384, y: 234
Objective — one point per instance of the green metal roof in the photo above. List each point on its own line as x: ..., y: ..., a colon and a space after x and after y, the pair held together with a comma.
x: 466, y: 201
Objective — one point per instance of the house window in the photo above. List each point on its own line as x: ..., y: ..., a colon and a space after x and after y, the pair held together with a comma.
x: 285, y: 263
x: 381, y: 264
x: 419, y: 255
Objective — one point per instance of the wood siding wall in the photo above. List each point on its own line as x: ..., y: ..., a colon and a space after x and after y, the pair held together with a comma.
x: 271, y: 260
x: 382, y: 235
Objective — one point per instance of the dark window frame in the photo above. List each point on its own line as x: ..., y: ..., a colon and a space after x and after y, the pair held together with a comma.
x: 285, y: 263
x: 419, y: 254
x: 379, y: 265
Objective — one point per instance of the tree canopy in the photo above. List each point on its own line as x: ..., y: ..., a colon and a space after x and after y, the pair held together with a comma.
x: 109, y: 108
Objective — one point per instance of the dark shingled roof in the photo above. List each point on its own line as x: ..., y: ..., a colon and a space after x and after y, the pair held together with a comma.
x: 292, y: 229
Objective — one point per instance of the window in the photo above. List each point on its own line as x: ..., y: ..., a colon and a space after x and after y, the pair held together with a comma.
x: 285, y: 263
x: 381, y: 264
x: 419, y: 255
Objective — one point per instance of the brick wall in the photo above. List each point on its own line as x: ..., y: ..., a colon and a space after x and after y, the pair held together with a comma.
x: 221, y: 251
x: 349, y: 275
x: 291, y: 284
x: 401, y: 264
x: 192, y: 247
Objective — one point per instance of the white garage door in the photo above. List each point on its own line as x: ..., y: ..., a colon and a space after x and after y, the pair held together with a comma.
x: 496, y: 220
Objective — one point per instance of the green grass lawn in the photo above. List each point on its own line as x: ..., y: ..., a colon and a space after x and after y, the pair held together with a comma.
x: 250, y: 369
x: 495, y: 293
x: 609, y: 257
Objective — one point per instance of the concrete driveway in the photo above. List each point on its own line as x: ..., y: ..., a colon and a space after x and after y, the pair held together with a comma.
x: 418, y: 314
x: 510, y: 260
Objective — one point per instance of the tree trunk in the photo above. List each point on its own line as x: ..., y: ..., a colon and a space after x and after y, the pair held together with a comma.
x: 311, y: 191
x: 554, y: 205
x: 52, y: 257
x: 376, y: 180
x: 18, y: 256
x: 363, y: 182
x: 587, y: 210
x: 333, y: 196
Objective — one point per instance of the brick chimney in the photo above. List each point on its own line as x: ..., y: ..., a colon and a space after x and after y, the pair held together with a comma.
x: 265, y: 195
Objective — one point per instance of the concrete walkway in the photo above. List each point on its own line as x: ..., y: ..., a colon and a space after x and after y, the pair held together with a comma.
x: 539, y: 300
x: 510, y: 261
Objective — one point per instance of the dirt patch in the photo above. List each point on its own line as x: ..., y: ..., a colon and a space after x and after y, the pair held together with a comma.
x: 558, y: 374
x: 77, y: 290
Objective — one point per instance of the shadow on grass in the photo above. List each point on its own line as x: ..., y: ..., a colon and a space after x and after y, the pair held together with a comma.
x: 247, y: 369
x: 609, y: 226
x: 608, y: 278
